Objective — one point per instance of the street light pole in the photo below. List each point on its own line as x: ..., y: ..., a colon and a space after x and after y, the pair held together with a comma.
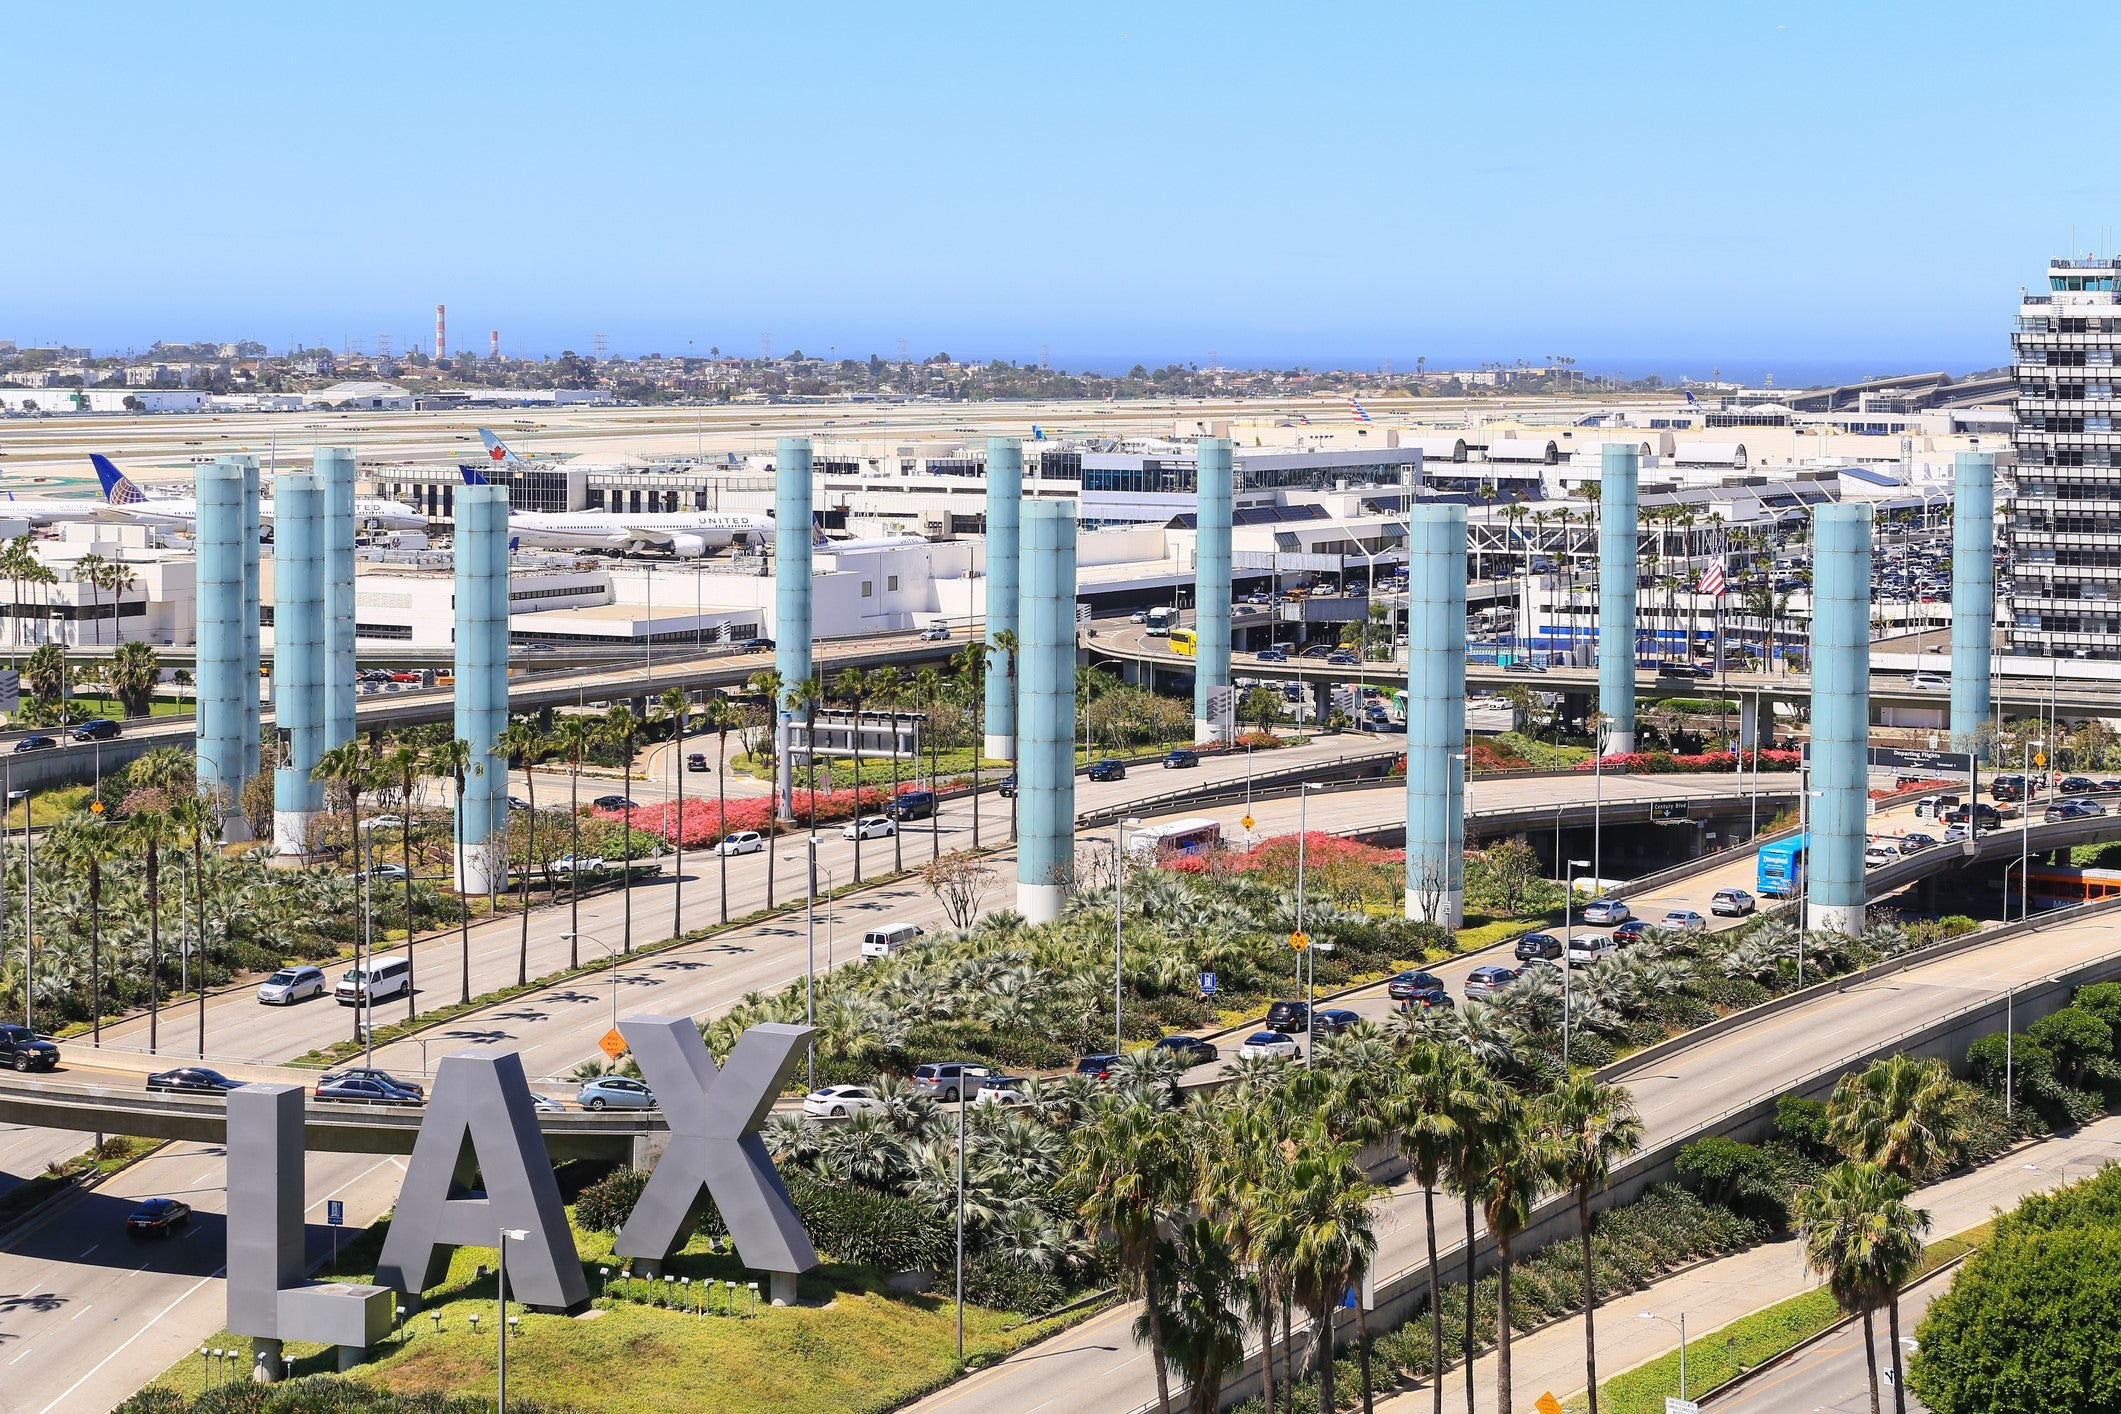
x: 1303, y: 810
x: 2025, y: 828
x: 612, y: 953
x: 500, y: 1332
x: 1649, y: 1316
x: 1119, y: 920
x: 1568, y: 940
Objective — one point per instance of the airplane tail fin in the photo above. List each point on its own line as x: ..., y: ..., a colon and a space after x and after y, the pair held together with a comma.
x: 473, y: 476
x: 496, y: 448
x: 1038, y: 433
x: 118, y: 488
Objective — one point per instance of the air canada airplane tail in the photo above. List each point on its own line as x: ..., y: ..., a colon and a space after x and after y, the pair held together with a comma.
x: 496, y: 448
x: 118, y: 488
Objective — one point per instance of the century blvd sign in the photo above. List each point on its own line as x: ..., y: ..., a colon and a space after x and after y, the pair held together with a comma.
x: 481, y: 1125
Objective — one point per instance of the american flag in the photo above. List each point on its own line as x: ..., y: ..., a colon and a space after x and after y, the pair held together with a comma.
x: 1711, y: 582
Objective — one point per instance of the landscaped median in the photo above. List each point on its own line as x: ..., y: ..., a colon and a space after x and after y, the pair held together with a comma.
x: 853, y: 1345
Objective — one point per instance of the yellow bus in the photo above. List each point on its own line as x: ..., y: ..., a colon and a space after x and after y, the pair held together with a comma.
x: 1183, y: 642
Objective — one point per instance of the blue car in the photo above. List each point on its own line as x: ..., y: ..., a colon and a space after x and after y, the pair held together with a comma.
x: 36, y: 743
x: 1179, y: 757
x: 1271, y: 655
x: 1109, y: 769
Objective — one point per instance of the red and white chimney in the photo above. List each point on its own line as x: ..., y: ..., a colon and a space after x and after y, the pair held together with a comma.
x: 441, y: 332
x: 493, y: 343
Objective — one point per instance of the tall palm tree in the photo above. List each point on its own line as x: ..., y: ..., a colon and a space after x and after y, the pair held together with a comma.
x: 1592, y: 1126
x: 134, y: 671
x: 1006, y: 643
x: 195, y: 815
x: 1860, y: 1234
x: 852, y: 687
x: 401, y: 766
x: 806, y: 698
x: 928, y: 687
x: 149, y: 832
x: 18, y: 561
x: 674, y: 706
x: 1326, y: 1213
x: 620, y: 728
x: 1518, y: 1164
x: 767, y: 683
x: 521, y: 739
x: 1899, y: 1113
x: 348, y: 768
x: 1130, y: 1167
x: 85, y: 843
x: 1441, y: 1095
x: 887, y: 685
x: 721, y: 720
x: 453, y: 758
x: 88, y: 570
x: 1484, y: 1129
x: 970, y: 665
x: 574, y: 735
x: 117, y: 578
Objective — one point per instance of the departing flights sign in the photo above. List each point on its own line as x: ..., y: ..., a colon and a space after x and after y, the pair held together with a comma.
x: 1894, y: 758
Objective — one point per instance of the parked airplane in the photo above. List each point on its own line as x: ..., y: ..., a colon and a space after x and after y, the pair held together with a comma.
x: 687, y: 534
x: 50, y: 510
x: 820, y: 541
x: 124, y: 500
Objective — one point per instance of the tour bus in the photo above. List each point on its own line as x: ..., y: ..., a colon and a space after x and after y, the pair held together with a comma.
x: 1782, y: 868
x: 1160, y: 621
x: 1148, y: 842
x: 1183, y: 642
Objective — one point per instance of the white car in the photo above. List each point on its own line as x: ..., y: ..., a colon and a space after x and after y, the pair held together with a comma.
x: 839, y: 1101
x: 869, y: 827
x: 1929, y: 682
x: 384, y: 822
x: 292, y: 984
x: 741, y: 842
x: 1269, y: 1043
x: 1686, y: 920
x: 568, y: 864
x: 1587, y: 948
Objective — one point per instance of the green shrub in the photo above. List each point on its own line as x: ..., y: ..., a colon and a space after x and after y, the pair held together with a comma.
x: 2103, y: 1000
x: 1002, y: 1285
x: 2080, y: 1042
x: 871, y: 1229
x: 605, y: 1205
x: 1802, y: 1123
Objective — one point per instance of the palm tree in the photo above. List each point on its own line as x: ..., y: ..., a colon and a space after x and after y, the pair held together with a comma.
x: 1441, y: 1095
x: 1485, y: 1125
x: 88, y: 570
x: 17, y: 563
x: 401, y: 766
x: 86, y: 843
x: 887, y: 685
x: 452, y: 758
x: 194, y: 814
x: 117, y: 578
x: 806, y: 697
x: 970, y: 665
x: 928, y: 688
x: 1325, y: 1213
x: 345, y: 767
x: 852, y: 687
x: 1130, y: 1164
x: 1007, y: 644
x: 1860, y: 1234
x: 520, y: 739
x: 767, y: 683
x: 1899, y: 1113
x: 150, y: 832
x: 674, y: 705
x: 1592, y: 1125
x: 134, y: 671
x: 574, y: 735
x: 620, y: 727
x: 721, y: 718
x: 1518, y: 1164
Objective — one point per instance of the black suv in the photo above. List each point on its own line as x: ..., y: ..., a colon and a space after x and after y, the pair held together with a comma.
x: 1113, y: 769
x: 1538, y: 945
x: 97, y: 729
x: 912, y: 805
x: 1289, y: 1017
x: 2007, y: 787
x: 24, y: 1049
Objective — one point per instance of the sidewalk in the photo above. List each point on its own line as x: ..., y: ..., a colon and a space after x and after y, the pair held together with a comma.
x: 1717, y: 1293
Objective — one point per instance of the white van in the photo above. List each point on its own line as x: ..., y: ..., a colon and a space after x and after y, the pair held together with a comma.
x: 383, y: 977
x: 882, y: 942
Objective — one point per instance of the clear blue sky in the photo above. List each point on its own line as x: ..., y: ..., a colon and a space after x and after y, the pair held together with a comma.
x: 1834, y: 187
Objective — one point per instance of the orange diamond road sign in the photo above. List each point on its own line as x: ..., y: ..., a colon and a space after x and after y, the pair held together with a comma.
x: 612, y: 1044
x: 1299, y: 940
x: 1246, y: 822
x: 1547, y: 1403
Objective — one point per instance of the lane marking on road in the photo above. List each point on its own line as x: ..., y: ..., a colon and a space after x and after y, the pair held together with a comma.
x: 156, y: 1320
x: 82, y: 1312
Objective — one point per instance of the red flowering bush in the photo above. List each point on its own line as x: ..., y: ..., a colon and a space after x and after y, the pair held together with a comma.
x: 702, y: 822
x: 1665, y: 763
x: 1337, y: 868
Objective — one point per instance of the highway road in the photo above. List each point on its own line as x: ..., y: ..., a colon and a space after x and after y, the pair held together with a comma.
x: 1096, y: 1368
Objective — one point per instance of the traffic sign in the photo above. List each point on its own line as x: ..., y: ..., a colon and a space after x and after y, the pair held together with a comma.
x: 335, y: 1212
x: 1207, y: 984
x: 612, y: 1044
x: 1299, y: 940
x: 2039, y: 758
x: 1547, y: 1403
x: 1680, y: 1406
x: 1669, y: 812
x: 1246, y: 822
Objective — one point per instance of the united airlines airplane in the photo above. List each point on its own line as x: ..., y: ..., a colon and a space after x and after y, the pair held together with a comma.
x: 687, y: 534
x: 124, y: 500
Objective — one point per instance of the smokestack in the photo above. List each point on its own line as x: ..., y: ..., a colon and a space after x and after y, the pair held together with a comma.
x: 493, y: 343
x: 441, y: 328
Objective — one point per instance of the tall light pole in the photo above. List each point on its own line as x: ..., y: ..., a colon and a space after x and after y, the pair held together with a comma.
x: 500, y: 1332
x: 1119, y: 919
x: 1649, y: 1316
x: 613, y: 954
x: 810, y: 944
x: 1568, y: 940
x: 1303, y: 811
x: 1804, y: 883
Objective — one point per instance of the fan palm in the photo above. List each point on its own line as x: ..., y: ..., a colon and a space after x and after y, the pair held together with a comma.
x: 347, y: 767
x: 1130, y: 1166
x: 149, y: 832
x: 887, y: 688
x: 520, y: 739
x: 86, y: 843
x: 620, y: 727
x: 1899, y: 1113
x: 1519, y: 1158
x: 673, y: 706
x: 453, y: 758
x: 851, y: 686
x: 574, y: 736
x: 1860, y: 1234
x: 1441, y: 1095
x: 1592, y: 1126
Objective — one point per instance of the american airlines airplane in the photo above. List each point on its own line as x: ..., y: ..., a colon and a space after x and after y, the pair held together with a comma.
x: 126, y: 501
x: 686, y: 534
